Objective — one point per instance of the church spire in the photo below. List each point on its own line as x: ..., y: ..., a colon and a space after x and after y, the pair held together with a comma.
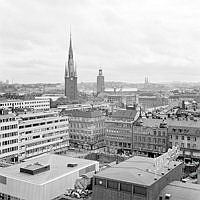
x: 71, y: 69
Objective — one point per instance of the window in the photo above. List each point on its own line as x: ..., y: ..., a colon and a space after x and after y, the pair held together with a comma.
x: 163, y: 133
x: 126, y: 187
x: 99, y: 181
x: 188, y: 145
x: 182, y: 137
x: 112, y: 184
x: 140, y: 190
x: 176, y: 137
x: 188, y: 138
x: 182, y: 145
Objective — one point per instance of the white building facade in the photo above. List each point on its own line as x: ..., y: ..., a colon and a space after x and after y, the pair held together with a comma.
x: 9, y: 137
x: 42, y: 132
x: 35, y: 104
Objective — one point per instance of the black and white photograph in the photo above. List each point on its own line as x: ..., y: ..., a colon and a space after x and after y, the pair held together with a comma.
x: 99, y: 100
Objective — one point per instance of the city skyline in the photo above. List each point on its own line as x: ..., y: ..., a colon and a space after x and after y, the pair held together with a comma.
x: 127, y: 40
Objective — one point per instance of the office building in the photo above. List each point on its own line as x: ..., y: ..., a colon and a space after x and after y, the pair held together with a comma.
x: 9, y: 137
x: 70, y: 75
x: 42, y: 132
x: 43, y: 178
x: 100, y: 82
x: 35, y: 104
x: 137, y: 178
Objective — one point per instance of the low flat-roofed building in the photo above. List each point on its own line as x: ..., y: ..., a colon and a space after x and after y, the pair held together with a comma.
x: 178, y: 190
x: 43, y: 178
x: 134, y: 179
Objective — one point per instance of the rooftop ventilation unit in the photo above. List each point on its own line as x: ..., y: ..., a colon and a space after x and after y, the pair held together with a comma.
x: 35, y: 168
x: 72, y: 165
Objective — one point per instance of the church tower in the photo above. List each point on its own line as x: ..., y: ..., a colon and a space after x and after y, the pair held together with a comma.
x: 70, y: 75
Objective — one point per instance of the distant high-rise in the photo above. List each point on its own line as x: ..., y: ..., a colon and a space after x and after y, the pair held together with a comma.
x: 70, y: 75
x: 100, y: 82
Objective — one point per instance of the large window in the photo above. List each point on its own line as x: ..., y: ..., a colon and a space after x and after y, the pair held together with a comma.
x: 140, y: 190
x: 99, y: 181
x: 126, y: 187
x: 112, y: 184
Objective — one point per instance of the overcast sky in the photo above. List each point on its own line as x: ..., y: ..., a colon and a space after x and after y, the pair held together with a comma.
x: 128, y: 39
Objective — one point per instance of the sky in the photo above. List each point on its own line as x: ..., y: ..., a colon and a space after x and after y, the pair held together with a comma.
x: 127, y: 39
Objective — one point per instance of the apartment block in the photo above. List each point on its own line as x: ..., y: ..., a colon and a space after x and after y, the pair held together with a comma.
x: 118, y: 130
x: 185, y: 133
x: 87, y: 130
x: 150, y: 137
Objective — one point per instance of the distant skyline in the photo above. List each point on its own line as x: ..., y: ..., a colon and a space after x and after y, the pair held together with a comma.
x: 129, y: 40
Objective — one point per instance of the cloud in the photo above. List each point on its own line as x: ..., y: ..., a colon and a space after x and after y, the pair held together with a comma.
x: 128, y: 39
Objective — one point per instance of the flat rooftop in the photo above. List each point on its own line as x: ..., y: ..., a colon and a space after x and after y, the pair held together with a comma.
x: 58, y: 168
x: 137, y: 170
x: 180, y: 191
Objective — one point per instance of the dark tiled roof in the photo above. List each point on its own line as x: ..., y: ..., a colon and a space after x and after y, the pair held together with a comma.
x: 124, y: 114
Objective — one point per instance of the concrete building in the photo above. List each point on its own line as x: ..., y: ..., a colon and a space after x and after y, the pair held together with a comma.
x: 71, y: 76
x: 118, y: 132
x: 87, y: 129
x: 42, y: 132
x: 35, y: 104
x: 135, y: 179
x: 43, y: 178
x: 100, y: 82
x: 150, y: 137
x: 9, y: 137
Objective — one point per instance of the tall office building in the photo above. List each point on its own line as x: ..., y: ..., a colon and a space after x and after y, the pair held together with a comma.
x: 100, y: 82
x: 70, y: 75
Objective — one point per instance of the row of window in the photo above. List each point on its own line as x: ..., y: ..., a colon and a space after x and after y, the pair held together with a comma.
x: 42, y: 142
x: 41, y: 149
x: 188, y: 145
x: 149, y: 140
x: 44, y: 129
x: 23, y: 102
x: 119, y: 144
x: 121, y: 186
x: 118, y: 131
x: 9, y: 149
x: 9, y: 142
x: 3, y: 128
x: 182, y: 137
x: 10, y: 134
x: 7, y: 120
x: 42, y: 123
x: 84, y: 125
